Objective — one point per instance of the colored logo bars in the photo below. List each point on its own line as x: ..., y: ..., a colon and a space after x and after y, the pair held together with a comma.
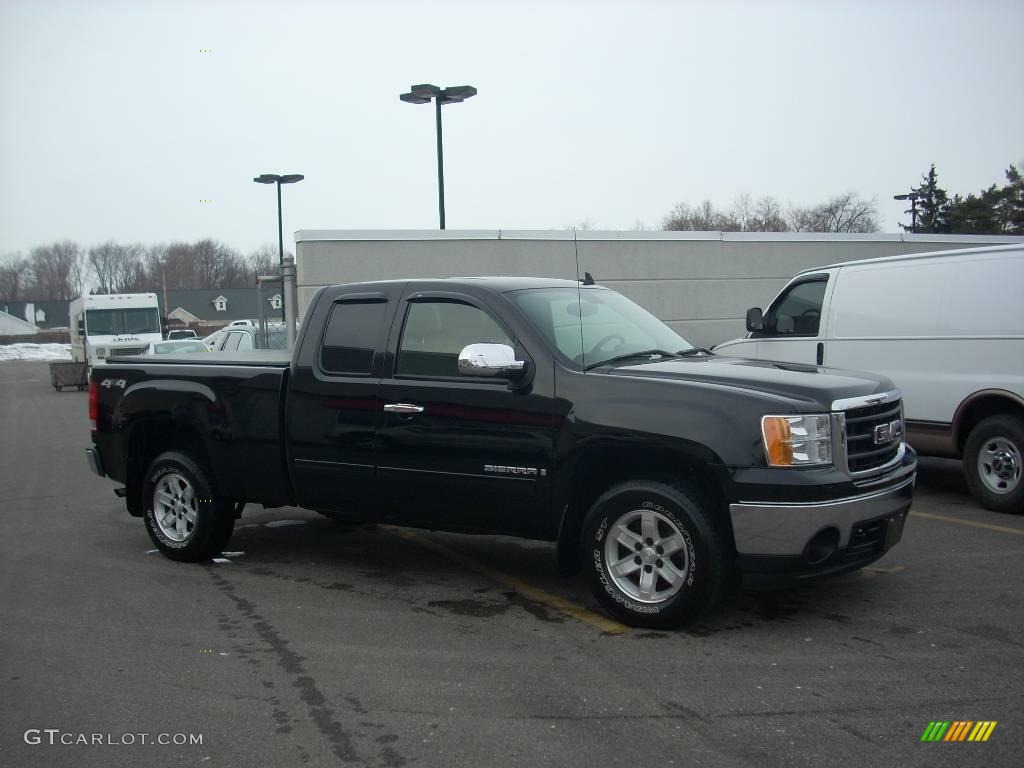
x: 959, y: 730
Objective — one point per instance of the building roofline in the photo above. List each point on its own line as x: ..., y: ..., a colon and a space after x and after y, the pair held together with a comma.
x: 322, y: 235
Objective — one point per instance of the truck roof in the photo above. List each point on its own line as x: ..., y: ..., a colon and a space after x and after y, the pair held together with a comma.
x: 496, y: 283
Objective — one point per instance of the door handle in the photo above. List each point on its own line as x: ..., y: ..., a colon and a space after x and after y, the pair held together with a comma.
x: 406, y: 408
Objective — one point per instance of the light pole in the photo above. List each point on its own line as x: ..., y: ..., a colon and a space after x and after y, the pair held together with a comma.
x: 163, y: 280
x: 273, y: 178
x: 453, y: 94
x: 912, y: 197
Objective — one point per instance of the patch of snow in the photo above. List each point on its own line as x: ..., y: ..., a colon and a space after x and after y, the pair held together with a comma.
x: 283, y: 523
x: 232, y: 554
x: 34, y: 352
x: 222, y: 560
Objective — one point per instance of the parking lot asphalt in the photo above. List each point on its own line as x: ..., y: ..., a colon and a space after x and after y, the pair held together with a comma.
x: 321, y: 644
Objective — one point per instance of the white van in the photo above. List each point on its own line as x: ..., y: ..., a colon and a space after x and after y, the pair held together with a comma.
x: 947, y: 327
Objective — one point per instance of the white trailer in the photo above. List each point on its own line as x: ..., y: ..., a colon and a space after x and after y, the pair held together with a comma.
x: 113, y: 325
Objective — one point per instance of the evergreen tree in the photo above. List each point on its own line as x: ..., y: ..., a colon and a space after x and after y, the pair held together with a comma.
x: 975, y: 214
x: 1010, y: 204
x: 932, y: 205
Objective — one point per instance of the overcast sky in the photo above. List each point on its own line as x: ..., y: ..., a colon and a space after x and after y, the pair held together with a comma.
x: 116, y: 125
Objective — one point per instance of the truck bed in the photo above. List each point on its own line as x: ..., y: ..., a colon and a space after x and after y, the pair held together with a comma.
x: 229, y: 402
x: 261, y: 358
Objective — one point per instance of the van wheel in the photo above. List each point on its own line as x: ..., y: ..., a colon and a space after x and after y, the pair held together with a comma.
x: 652, y: 554
x: 184, y: 517
x: 993, y: 465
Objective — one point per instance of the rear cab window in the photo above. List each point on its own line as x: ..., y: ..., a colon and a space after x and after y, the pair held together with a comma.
x: 352, y: 336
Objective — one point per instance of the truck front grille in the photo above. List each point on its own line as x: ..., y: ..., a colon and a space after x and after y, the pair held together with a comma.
x: 125, y: 351
x: 864, y: 451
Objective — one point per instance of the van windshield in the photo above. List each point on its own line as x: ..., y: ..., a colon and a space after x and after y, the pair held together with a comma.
x: 108, y: 322
x: 591, y: 326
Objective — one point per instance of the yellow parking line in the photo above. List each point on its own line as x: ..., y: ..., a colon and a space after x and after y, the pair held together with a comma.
x: 894, y: 569
x: 536, y: 594
x: 972, y: 523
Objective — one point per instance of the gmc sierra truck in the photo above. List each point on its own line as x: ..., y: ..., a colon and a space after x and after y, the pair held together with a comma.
x: 545, y: 409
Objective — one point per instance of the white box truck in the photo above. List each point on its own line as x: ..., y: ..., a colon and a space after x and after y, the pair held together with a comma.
x: 113, y: 325
x: 946, y: 327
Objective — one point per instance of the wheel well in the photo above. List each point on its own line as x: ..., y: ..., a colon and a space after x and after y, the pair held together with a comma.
x: 147, y: 441
x: 599, y: 470
x: 981, y: 407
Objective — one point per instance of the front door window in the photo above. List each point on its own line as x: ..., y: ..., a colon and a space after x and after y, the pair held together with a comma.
x: 798, y: 311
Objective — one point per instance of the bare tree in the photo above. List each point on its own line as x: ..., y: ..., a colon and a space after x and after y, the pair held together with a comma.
x: 119, y: 268
x: 762, y: 215
x: 583, y: 226
x: 843, y: 213
x: 56, y: 270
x: 768, y: 216
x: 15, y: 276
x: 743, y: 212
x: 203, y: 264
x: 263, y: 261
x: 699, y: 218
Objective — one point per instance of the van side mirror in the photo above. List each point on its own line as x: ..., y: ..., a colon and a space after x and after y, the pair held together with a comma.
x: 755, y: 319
x: 81, y: 327
x: 490, y: 360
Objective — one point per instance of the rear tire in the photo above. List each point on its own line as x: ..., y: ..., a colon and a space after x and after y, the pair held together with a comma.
x: 652, y: 554
x: 184, y: 517
x: 993, y: 463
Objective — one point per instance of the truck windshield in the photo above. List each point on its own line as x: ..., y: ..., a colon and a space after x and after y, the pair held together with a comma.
x: 107, y: 322
x: 590, y: 326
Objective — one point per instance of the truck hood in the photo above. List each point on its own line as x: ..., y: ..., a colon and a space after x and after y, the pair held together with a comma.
x: 811, y: 384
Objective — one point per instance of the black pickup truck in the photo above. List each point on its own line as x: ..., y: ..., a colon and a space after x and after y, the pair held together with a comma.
x: 545, y: 409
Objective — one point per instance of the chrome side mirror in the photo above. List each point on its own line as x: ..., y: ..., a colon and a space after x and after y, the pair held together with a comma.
x: 490, y: 360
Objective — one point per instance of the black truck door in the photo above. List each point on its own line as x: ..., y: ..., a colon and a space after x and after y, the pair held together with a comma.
x: 461, y: 452
x: 332, y: 407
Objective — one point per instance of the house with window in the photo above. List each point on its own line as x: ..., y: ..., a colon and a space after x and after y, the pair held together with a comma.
x: 220, y: 306
x: 46, y: 315
x: 190, y: 307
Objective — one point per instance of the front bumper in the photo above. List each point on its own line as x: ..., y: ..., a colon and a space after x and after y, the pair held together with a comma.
x: 95, y: 461
x: 800, y: 540
x: 777, y: 529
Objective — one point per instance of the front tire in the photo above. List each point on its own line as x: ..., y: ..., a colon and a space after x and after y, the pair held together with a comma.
x: 184, y: 517
x: 652, y: 554
x: 993, y: 463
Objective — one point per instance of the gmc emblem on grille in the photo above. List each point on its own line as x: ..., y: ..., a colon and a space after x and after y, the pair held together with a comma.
x: 888, y: 433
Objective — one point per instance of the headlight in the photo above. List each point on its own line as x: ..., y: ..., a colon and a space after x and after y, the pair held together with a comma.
x: 797, y: 441
x: 101, y: 352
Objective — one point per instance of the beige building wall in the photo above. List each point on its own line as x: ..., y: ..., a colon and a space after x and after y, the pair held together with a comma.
x: 700, y: 283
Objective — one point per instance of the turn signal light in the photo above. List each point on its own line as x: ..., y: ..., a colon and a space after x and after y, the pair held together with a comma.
x: 777, y: 436
x: 795, y: 441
